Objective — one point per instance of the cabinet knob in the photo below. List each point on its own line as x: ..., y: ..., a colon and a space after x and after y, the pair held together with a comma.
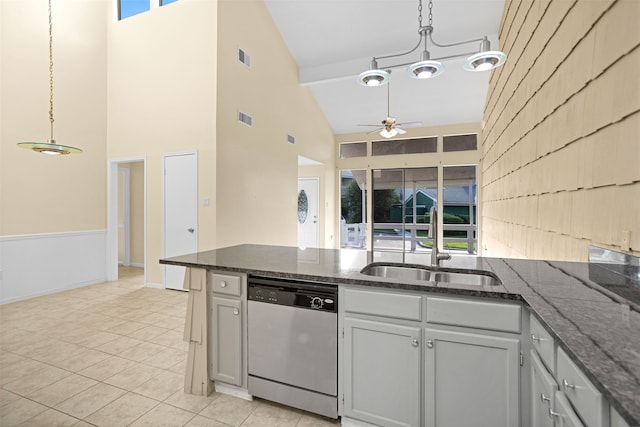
x: 430, y: 343
x: 414, y: 342
x: 223, y: 284
x: 236, y: 311
x: 567, y: 384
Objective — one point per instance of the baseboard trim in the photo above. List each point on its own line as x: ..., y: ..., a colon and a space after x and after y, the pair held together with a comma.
x: 53, y: 291
x: 154, y: 285
x: 232, y: 390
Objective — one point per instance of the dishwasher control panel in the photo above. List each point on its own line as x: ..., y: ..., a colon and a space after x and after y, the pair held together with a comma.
x: 293, y: 294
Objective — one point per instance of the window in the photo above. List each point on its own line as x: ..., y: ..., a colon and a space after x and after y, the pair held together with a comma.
x: 128, y: 8
x: 165, y: 2
x: 460, y: 143
x: 404, y: 146
x: 353, y: 149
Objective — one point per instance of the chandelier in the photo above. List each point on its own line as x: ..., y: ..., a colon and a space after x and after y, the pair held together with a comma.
x: 482, y: 60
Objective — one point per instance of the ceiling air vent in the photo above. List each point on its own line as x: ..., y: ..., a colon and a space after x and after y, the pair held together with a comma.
x: 291, y: 139
x: 244, y: 58
x: 245, y: 118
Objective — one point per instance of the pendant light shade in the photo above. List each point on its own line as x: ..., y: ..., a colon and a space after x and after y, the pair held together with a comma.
x: 425, y: 68
x: 487, y: 59
x: 374, y: 76
x: 50, y: 147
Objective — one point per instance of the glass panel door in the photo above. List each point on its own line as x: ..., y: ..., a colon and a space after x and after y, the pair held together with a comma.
x: 460, y: 209
x: 353, y: 207
x: 401, y: 202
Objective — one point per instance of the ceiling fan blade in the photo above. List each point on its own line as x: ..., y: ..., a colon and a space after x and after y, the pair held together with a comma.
x: 410, y: 124
x: 371, y: 125
x: 375, y: 130
x: 400, y: 131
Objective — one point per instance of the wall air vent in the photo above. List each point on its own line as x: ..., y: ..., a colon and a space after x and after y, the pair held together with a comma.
x: 244, y: 118
x: 291, y: 139
x: 244, y: 58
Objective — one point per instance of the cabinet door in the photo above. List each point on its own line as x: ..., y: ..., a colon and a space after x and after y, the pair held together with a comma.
x: 381, y: 373
x: 471, y: 380
x: 225, y: 349
x: 564, y: 414
x: 543, y: 392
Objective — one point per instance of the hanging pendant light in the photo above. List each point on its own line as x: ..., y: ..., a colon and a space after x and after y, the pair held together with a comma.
x: 50, y: 147
x: 427, y: 68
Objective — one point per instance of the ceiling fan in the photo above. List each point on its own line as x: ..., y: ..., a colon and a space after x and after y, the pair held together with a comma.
x: 390, y: 127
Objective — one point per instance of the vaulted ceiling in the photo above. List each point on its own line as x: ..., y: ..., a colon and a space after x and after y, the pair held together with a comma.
x: 333, y: 41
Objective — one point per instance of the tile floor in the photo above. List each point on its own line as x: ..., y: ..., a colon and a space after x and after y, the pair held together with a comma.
x: 112, y: 354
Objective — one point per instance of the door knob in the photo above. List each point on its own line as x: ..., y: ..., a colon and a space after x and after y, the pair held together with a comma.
x: 191, y: 229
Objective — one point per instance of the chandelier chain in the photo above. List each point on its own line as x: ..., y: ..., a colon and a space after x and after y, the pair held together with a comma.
x: 430, y: 12
x: 50, y: 70
x: 419, y: 14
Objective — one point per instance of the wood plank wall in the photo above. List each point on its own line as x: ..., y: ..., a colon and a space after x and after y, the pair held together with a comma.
x: 561, y: 139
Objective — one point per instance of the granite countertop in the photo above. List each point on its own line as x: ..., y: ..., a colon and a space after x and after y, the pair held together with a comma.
x: 593, y: 312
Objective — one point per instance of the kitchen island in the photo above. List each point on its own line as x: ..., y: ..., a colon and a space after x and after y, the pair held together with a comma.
x: 598, y: 329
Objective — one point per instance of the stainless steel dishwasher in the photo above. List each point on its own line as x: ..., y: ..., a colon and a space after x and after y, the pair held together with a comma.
x: 293, y: 344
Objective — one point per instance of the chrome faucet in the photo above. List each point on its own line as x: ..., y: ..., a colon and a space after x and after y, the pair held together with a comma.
x: 436, y: 256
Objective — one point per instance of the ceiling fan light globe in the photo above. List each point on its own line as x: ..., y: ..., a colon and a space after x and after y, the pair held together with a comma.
x: 385, y: 133
x: 373, y: 78
x: 425, y: 69
x: 485, y: 61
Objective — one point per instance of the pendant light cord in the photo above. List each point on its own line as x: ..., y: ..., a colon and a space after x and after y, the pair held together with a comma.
x: 51, y: 72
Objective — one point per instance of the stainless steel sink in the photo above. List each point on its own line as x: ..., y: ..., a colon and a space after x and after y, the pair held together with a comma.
x: 415, y: 272
x: 396, y: 272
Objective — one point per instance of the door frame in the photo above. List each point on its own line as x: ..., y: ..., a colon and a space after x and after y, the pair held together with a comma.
x: 164, y: 219
x: 126, y: 212
x: 112, y: 215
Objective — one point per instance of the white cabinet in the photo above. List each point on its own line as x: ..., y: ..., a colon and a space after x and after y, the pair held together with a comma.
x: 583, y: 396
x: 226, y: 342
x: 382, y: 384
x: 471, y: 379
x: 227, y: 328
x: 563, y: 413
x: 413, y: 360
x: 543, y: 393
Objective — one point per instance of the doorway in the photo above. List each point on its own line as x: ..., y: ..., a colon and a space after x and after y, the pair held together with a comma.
x: 126, y: 215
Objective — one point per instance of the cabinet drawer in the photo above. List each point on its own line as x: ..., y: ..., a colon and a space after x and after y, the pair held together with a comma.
x: 474, y: 314
x: 543, y: 342
x: 224, y: 284
x: 586, y: 399
x: 400, y: 306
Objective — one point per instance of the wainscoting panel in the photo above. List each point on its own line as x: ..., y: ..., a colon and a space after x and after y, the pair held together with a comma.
x: 39, y: 264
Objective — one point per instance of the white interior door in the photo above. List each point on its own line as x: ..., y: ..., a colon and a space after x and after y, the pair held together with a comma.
x: 180, y: 212
x: 308, y: 189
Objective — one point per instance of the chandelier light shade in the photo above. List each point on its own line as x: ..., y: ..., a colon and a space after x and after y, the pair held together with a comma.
x: 487, y: 59
x: 482, y: 60
x: 50, y: 147
x: 425, y: 68
x: 374, y: 76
